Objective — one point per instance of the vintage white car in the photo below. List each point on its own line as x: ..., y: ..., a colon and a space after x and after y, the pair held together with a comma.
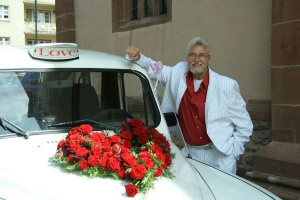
x: 45, y: 90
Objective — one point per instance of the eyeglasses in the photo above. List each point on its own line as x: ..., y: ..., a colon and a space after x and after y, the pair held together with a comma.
x: 200, y: 56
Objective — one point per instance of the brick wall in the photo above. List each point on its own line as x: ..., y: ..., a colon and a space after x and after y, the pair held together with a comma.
x: 65, y: 21
x: 276, y: 166
x: 260, y: 113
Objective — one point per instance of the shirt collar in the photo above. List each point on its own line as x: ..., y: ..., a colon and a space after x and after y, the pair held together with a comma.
x: 205, y: 81
x: 190, y: 81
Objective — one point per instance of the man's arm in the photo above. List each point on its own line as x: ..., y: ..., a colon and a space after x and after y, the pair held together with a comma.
x: 241, y: 120
x: 156, y: 70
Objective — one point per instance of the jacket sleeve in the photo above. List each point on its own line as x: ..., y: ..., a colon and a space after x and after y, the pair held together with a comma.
x: 156, y: 70
x: 241, y: 120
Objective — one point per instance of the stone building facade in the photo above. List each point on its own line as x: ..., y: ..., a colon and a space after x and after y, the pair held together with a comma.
x: 277, y: 165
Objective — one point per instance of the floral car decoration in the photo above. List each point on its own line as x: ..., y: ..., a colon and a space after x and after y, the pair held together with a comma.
x: 136, y: 153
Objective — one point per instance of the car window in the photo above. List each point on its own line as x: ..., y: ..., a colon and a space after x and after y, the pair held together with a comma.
x: 137, y: 103
x: 36, y: 99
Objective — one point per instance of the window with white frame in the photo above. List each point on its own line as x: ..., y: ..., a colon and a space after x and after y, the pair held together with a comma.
x: 32, y: 42
x: 43, y: 16
x: 4, y: 13
x: 4, y: 41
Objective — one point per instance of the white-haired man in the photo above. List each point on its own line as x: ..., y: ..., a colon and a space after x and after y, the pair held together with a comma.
x: 211, y: 112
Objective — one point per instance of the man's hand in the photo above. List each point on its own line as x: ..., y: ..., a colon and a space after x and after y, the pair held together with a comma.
x: 133, y: 52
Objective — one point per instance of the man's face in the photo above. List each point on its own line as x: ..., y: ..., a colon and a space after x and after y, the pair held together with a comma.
x: 198, y: 60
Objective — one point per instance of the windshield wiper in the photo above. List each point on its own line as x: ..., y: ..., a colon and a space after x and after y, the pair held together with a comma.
x: 22, y: 131
x: 80, y: 122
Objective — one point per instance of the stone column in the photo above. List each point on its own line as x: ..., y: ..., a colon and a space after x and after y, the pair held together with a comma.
x: 277, y: 165
x: 65, y: 21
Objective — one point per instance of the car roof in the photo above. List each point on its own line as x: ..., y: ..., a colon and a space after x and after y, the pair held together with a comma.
x: 19, y: 58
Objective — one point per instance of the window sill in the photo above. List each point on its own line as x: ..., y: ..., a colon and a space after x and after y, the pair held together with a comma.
x: 145, y: 22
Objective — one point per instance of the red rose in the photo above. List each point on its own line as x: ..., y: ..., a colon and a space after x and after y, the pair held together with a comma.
x: 85, y: 129
x: 160, y: 156
x: 93, y: 161
x: 157, y: 141
x: 73, y: 132
x: 153, y: 132
x: 138, y: 171
x: 103, y: 161
x: 143, y: 139
x: 161, y: 137
x: 74, y: 147
x: 136, y: 122
x: 68, y: 142
x: 106, y: 145
x: 96, y: 137
x: 127, y: 135
x: 131, y: 190
x: 77, y: 139
x: 149, y: 162
x: 83, y: 165
x: 140, y: 130
x: 122, y: 173
x: 167, y: 147
x: 124, y: 149
x: 75, y: 128
x: 96, y: 150
x: 81, y: 152
x: 168, y: 160
x: 158, y: 172
x: 71, y: 158
x: 115, y: 139
x: 156, y: 148
x: 127, y: 144
x: 144, y: 154
x: 128, y: 159
x: 60, y: 144
x: 114, y: 164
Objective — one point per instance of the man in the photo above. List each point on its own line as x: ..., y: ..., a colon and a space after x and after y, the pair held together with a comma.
x: 211, y: 112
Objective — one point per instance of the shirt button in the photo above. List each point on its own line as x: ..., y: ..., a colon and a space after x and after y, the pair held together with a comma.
x: 200, y: 138
x: 196, y: 116
x: 197, y: 126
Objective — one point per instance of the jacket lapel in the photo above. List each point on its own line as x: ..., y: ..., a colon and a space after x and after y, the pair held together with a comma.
x: 211, y: 90
x: 182, y: 88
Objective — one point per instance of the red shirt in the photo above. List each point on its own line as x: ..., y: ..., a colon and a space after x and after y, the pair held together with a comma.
x: 191, y: 114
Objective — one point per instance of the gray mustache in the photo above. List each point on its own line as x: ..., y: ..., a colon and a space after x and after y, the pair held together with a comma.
x: 197, y: 63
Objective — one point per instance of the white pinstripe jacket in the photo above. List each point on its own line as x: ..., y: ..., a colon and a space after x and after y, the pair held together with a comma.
x: 228, y: 123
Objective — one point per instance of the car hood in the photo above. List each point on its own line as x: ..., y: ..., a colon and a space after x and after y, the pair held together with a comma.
x: 28, y: 172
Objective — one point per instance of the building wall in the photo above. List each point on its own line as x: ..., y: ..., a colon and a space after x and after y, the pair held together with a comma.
x: 239, y: 34
x: 14, y: 27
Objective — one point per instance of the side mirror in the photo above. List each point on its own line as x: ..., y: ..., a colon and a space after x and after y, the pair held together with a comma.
x: 170, y: 119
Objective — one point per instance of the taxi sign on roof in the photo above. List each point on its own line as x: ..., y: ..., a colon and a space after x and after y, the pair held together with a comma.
x: 54, y: 51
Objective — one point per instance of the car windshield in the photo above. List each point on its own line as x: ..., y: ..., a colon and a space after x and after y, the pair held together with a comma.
x: 41, y: 100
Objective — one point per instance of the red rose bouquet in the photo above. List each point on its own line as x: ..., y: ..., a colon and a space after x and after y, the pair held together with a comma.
x: 136, y: 153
